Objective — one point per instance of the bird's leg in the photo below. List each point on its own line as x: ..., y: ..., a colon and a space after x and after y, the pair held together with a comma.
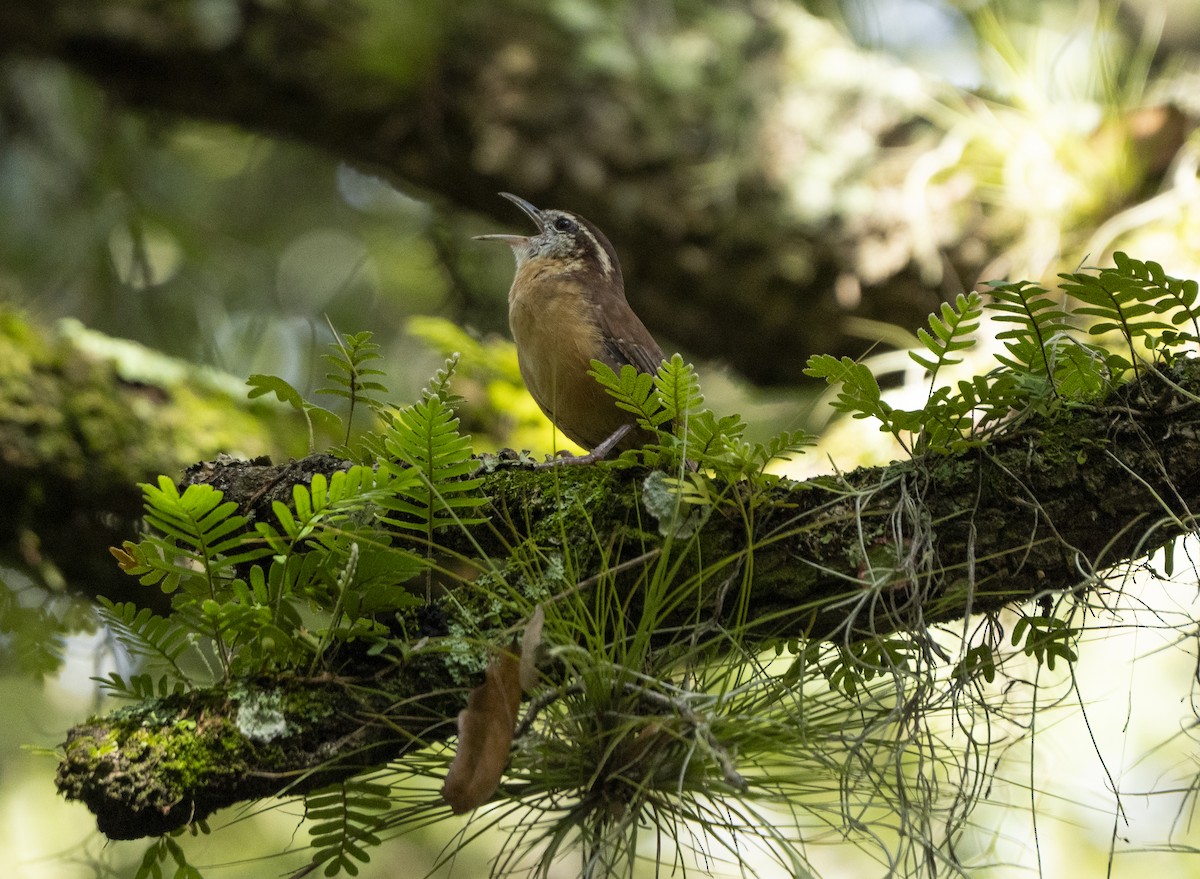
x: 597, y: 454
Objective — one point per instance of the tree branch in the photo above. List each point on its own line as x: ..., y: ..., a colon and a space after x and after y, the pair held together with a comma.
x: 83, y: 419
x: 1049, y: 504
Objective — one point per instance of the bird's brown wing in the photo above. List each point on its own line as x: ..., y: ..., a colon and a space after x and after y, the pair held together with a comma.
x: 626, y: 339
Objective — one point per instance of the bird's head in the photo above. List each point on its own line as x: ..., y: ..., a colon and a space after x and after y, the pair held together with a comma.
x: 565, y: 244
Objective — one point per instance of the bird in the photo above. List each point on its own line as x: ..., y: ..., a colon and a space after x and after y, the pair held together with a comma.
x: 567, y: 307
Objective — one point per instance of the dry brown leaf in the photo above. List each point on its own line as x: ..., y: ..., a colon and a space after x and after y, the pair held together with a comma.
x: 485, y: 734
x: 486, y: 725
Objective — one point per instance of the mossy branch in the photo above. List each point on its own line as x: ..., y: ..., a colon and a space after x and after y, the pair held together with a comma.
x: 1049, y: 505
x: 83, y: 418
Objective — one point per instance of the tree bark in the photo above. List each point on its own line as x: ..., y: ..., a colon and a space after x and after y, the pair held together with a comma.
x: 1050, y: 504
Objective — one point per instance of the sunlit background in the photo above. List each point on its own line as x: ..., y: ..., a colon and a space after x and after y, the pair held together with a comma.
x: 239, y: 252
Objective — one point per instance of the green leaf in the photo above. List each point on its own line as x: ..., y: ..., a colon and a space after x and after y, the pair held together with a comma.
x: 858, y: 393
x: 344, y: 822
x: 429, y: 466
x: 261, y: 385
x: 676, y: 391
x: 634, y: 392
x: 952, y: 333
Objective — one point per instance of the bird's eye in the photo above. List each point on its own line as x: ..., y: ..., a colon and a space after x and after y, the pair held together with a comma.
x: 563, y: 224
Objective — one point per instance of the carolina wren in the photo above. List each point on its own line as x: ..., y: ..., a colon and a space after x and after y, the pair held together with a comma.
x: 566, y: 308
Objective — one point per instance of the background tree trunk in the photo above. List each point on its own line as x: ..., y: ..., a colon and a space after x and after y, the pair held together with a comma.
x: 763, y: 179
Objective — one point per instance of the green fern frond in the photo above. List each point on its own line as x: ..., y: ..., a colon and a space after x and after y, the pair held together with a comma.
x: 677, y: 390
x: 718, y: 445
x: 633, y: 391
x: 1173, y: 298
x: 1083, y: 371
x: 350, y: 377
x: 1034, y: 320
x: 1132, y: 299
x: 144, y: 633
x: 858, y: 393
x: 429, y: 464
x: 156, y: 856
x: 141, y: 686
x: 953, y: 333
x: 990, y: 398
x: 782, y: 447
x: 707, y: 435
x: 1046, y: 639
x: 201, y: 534
x: 944, y: 421
x: 439, y: 385
x: 314, y: 415
x: 345, y: 821
x: 339, y: 500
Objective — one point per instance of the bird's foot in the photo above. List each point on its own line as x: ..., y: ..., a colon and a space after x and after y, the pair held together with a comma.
x: 597, y: 454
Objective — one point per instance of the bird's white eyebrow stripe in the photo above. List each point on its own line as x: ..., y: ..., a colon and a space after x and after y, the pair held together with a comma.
x: 601, y: 252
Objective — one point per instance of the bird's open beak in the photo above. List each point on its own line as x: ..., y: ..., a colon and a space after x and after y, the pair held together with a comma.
x: 530, y: 211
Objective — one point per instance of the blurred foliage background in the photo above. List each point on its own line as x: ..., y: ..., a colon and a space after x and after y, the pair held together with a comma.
x: 984, y: 140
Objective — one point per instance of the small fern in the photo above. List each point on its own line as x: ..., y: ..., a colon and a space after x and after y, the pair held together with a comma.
x: 1129, y: 299
x: 953, y: 333
x: 143, y: 686
x: 670, y: 402
x: 1043, y: 363
x: 781, y: 447
x: 1033, y: 320
x: 314, y: 415
x: 979, y: 661
x: 634, y: 392
x: 332, y: 575
x: 352, y: 380
x: 989, y: 399
x: 858, y: 393
x: 429, y: 464
x: 146, y: 634
x: 321, y: 512
x: 1174, y: 298
x: 157, y: 854
x: 677, y: 391
x: 1046, y: 639
x: 199, y: 533
x: 344, y: 822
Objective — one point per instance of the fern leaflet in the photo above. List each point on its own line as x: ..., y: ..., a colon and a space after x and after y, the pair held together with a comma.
x: 429, y: 464
x: 350, y: 377
x: 633, y: 391
x: 952, y: 333
x: 145, y: 633
x: 345, y: 821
